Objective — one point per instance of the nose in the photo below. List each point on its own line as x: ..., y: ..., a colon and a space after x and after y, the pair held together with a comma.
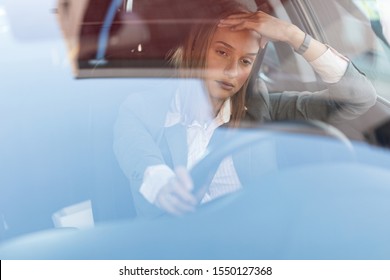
x: 231, y: 69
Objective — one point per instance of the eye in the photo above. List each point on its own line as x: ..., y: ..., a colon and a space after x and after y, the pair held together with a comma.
x: 246, y: 61
x: 221, y: 52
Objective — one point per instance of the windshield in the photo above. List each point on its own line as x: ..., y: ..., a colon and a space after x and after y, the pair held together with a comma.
x: 77, y: 79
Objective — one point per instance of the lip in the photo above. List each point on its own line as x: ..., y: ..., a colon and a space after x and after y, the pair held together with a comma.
x: 225, y: 85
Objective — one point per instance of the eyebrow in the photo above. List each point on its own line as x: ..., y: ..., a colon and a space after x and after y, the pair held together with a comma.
x: 231, y: 47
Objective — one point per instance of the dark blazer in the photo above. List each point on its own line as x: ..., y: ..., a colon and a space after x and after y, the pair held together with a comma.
x: 141, y: 140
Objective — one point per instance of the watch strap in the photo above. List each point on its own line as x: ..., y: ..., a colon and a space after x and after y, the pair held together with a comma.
x: 305, y: 45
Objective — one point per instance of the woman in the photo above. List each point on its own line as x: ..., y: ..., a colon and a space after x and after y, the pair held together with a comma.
x: 155, y: 153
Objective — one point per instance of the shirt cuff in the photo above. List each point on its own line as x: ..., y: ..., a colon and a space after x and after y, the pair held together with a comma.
x: 330, y: 66
x: 155, y: 177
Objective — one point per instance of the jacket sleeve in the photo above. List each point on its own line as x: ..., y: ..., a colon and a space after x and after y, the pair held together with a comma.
x: 136, y: 133
x: 347, y: 99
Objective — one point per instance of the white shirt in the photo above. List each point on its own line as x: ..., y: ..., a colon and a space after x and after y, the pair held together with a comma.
x: 331, y: 67
x: 198, y: 137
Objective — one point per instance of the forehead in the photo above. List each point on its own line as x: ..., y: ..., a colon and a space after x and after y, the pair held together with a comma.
x: 243, y: 41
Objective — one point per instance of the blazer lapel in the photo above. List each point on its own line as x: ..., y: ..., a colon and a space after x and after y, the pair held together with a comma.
x: 175, y: 137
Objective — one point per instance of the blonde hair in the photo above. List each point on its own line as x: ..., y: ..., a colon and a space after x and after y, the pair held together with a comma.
x: 190, y: 57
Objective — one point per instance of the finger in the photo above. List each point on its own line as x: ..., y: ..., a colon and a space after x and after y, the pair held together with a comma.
x: 244, y: 25
x: 176, y: 206
x: 181, y: 207
x: 183, y: 193
x: 237, y: 27
x: 229, y: 23
x: 263, y: 42
x: 245, y: 16
x: 164, y: 201
x: 184, y: 177
x: 238, y: 16
x: 232, y: 20
x: 169, y: 208
x: 225, y: 24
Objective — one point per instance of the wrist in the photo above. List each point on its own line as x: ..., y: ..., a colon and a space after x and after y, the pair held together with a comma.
x: 295, y: 37
x: 304, y: 46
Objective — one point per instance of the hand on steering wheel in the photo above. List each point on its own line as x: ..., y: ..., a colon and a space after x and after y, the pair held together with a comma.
x: 176, y: 196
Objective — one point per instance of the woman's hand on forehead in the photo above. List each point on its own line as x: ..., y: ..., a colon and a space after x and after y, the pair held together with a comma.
x: 268, y: 27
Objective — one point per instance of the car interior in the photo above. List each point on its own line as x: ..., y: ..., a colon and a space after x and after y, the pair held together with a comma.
x: 150, y: 35
x: 114, y: 47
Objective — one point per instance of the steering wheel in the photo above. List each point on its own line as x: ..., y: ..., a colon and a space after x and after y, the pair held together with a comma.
x: 286, y: 136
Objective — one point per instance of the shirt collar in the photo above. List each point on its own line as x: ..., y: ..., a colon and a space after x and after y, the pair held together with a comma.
x: 175, y: 114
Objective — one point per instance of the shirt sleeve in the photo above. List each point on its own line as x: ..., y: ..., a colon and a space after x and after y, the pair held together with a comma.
x: 330, y: 66
x: 155, y: 177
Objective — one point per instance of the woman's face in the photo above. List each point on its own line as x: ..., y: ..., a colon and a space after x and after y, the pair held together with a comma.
x: 229, y: 62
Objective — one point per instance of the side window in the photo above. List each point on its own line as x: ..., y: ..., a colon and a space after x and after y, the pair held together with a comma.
x: 377, y: 13
x: 282, y: 69
x: 356, y: 28
x: 377, y: 69
x: 353, y: 28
